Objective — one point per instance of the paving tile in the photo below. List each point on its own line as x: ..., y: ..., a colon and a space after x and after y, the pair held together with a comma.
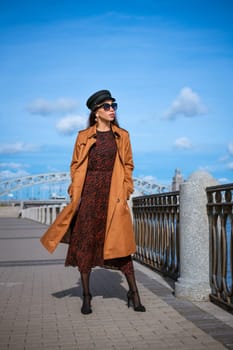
x: 41, y: 300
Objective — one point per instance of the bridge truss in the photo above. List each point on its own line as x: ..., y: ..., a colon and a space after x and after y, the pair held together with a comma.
x: 7, y: 187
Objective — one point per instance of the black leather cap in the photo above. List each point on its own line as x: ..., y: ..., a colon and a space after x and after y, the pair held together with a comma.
x: 98, y: 97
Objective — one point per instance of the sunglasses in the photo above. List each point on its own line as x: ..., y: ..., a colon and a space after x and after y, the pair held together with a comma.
x: 107, y: 106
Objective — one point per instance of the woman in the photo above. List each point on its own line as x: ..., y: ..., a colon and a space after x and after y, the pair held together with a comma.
x: 97, y: 223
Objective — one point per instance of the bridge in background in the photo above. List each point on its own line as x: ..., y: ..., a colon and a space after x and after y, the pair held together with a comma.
x: 58, y: 183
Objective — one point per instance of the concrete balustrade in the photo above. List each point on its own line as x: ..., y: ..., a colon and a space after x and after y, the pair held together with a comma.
x: 44, y: 214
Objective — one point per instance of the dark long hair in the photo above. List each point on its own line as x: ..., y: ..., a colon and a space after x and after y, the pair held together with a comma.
x: 92, y: 120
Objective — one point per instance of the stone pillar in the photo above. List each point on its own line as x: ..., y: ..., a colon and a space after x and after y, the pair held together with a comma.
x: 62, y: 206
x: 48, y: 218
x: 29, y: 213
x: 193, y: 283
x: 39, y: 214
x: 43, y: 217
x: 54, y: 213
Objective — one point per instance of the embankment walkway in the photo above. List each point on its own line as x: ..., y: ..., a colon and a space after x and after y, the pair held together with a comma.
x: 41, y: 299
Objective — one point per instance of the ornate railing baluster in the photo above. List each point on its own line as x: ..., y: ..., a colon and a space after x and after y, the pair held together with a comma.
x: 220, y: 213
x: 157, y: 235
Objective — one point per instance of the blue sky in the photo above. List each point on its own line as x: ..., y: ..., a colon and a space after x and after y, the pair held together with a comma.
x: 169, y: 64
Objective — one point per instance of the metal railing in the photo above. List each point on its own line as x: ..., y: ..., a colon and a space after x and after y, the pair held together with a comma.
x: 220, y: 214
x: 156, y: 221
x: 156, y: 226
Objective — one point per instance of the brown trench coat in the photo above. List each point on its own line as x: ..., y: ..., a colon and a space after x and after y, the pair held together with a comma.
x: 119, y: 235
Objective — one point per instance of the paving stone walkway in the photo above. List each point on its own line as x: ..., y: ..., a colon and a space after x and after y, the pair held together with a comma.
x: 41, y: 299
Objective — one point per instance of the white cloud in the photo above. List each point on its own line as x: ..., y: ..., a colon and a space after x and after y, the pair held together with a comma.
x: 71, y: 124
x: 224, y: 180
x: 149, y: 178
x: 187, y: 103
x: 44, y: 107
x: 224, y: 158
x: 230, y: 166
x: 230, y: 148
x: 183, y: 143
x: 7, y: 174
x: 11, y: 169
x: 12, y: 165
x: 18, y: 147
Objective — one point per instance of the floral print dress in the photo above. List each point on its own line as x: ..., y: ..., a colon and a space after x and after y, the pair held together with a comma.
x: 87, y: 240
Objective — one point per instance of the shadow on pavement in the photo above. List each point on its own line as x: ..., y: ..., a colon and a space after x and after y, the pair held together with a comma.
x: 105, y: 283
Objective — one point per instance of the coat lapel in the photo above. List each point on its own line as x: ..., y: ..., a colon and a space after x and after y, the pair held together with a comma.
x: 118, y: 139
x: 88, y: 139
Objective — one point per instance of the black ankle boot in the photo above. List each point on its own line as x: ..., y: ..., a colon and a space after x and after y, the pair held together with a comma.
x: 86, y: 307
x: 133, y: 296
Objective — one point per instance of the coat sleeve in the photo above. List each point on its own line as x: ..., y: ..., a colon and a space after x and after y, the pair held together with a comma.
x: 128, y: 166
x: 74, y: 162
